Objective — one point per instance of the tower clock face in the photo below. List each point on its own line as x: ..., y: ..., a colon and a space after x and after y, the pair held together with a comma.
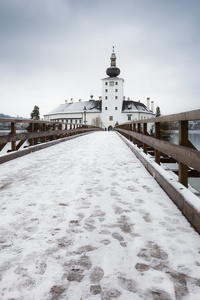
x: 111, y: 83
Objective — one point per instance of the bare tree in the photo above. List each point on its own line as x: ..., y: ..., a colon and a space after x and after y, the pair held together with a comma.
x: 97, y: 121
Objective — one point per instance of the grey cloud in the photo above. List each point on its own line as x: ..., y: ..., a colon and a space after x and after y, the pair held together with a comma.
x: 53, y: 50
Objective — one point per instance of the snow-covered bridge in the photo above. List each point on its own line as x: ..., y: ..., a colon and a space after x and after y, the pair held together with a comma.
x: 84, y: 220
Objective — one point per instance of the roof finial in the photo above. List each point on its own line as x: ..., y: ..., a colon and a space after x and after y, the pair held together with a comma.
x: 113, y: 47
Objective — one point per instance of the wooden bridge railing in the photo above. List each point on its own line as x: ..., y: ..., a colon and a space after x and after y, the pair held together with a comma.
x: 185, y: 154
x: 39, y: 131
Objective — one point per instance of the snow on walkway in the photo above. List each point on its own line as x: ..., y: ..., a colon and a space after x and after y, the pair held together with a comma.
x: 85, y: 220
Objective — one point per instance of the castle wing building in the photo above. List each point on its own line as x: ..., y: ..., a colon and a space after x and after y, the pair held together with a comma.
x: 110, y: 109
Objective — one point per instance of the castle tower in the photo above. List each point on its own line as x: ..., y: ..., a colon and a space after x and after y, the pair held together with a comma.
x: 112, y: 95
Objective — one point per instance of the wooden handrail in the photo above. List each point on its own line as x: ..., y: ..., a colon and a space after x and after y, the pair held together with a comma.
x: 55, y: 132
x: 185, y: 153
x: 185, y: 116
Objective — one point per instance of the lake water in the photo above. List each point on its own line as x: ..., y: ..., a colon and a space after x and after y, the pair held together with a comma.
x: 194, y: 137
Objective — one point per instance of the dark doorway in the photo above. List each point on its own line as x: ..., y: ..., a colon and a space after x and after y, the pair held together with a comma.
x: 110, y: 128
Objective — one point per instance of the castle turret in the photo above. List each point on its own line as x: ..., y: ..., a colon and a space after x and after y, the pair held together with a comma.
x: 113, y: 71
x: 112, y: 95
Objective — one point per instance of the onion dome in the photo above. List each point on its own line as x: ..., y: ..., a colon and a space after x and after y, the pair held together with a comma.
x: 113, y: 71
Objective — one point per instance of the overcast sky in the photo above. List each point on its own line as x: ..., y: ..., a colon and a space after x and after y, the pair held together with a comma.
x: 52, y: 50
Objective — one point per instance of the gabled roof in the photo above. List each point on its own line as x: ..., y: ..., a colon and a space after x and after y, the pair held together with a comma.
x: 133, y: 106
x: 78, y: 107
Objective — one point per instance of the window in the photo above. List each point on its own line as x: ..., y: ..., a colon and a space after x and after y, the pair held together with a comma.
x: 106, y: 108
x: 116, y: 83
x: 106, y: 83
x: 71, y: 121
x: 106, y: 97
x: 76, y: 121
x: 106, y: 90
x: 111, y: 83
x: 116, y: 97
x: 116, y: 108
x: 129, y: 118
x: 116, y: 90
x: 80, y: 121
x: 110, y: 118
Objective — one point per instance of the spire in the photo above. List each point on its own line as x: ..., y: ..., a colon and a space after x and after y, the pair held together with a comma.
x: 113, y: 58
x: 113, y: 71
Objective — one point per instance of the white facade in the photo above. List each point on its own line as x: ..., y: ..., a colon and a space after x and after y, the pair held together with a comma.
x: 112, y: 99
x: 109, y: 110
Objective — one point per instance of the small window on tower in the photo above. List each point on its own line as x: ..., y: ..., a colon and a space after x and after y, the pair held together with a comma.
x: 111, y: 83
x: 116, y: 97
x: 106, y: 83
x: 116, y: 108
x: 106, y: 108
x: 106, y: 90
x: 116, y: 83
x: 106, y: 97
x: 116, y: 90
x: 110, y: 118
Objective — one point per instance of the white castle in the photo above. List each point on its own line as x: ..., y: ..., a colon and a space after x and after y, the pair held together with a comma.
x: 109, y: 110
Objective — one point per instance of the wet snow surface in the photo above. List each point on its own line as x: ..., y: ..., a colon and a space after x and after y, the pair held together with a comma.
x: 85, y: 220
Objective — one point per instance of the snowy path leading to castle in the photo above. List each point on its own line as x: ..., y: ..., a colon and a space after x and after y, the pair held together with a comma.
x: 85, y: 220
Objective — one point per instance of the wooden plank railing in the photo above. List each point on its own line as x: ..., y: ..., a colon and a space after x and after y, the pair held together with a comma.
x: 185, y: 154
x: 48, y: 131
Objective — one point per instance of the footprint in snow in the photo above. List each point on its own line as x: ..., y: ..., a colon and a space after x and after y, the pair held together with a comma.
x: 110, y: 294
x: 96, y: 274
x: 117, y: 236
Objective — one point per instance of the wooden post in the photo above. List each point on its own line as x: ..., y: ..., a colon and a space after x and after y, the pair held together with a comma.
x: 60, y: 135
x: 139, y: 130
x: 13, y: 131
x: 44, y: 139
x: 31, y: 130
x: 65, y: 131
x: 54, y: 128
x: 183, y: 141
x: 134, y: 129
x: 145, y: 133
x: 157, y: 135
x: 130, y: 129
